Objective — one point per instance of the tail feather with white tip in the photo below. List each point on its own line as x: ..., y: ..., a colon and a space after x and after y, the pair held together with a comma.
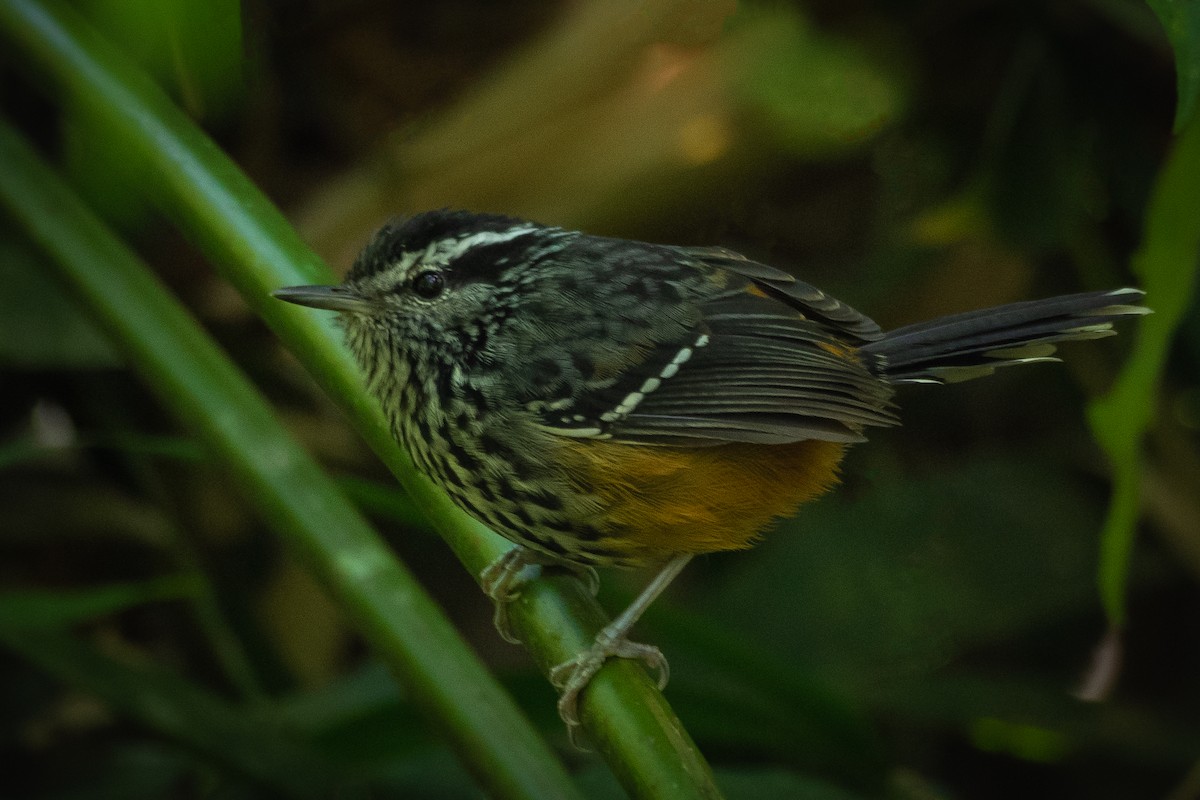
x: 972, y: 344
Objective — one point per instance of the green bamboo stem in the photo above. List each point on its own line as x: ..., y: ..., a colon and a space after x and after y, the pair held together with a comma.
x: 254, y: 247
x: 194, y: 379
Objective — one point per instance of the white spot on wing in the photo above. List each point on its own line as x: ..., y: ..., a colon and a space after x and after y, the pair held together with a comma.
x: 650, y: 385
x: 578, y: 433
x: 633, y: 399
x: 629, y: 403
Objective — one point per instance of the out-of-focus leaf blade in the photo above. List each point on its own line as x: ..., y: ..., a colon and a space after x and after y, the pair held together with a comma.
x: 35, y: 609
x: 41, y: 327
x: 383, y: 501
x: 1166, y: 265
x: 1181, y: 20
x: 814, y: 94
x: 193, y: 50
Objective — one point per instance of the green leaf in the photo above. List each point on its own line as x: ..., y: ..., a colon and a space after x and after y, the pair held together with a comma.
x: 56, y: 609
x: 1166, y: 264
x: 383, y: 501
x: 27, y: 449
x: 41, y: 326
x: 194, y: 51
x: 1181, y: 20
x: 1025, y: 741
x: 814, y: 94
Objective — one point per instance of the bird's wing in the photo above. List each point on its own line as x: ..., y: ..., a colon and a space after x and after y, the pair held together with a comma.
x: 760, y: 357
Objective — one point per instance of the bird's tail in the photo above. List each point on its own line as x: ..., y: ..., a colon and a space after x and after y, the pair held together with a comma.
x: 969, y: 345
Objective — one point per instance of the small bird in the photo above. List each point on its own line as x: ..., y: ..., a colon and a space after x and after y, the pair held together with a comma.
x: 609, y: 403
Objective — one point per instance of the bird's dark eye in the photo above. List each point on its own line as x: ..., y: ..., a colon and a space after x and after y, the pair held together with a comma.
x: 428, y: 284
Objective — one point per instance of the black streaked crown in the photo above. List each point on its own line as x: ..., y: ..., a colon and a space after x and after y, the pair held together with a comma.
x: 417, y: 233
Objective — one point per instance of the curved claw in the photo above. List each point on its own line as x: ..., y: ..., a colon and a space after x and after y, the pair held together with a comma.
x: 503, y: 623
x: 587, y: 575
x: 573, y: 676
x: 590, y: 578
x: 501, y: 581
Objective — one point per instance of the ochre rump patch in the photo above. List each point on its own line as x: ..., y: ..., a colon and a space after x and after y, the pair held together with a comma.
x: 663, y: 501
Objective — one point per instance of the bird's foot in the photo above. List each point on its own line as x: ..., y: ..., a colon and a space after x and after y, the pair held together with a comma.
x: 573, y: 676
x: 501, y: 581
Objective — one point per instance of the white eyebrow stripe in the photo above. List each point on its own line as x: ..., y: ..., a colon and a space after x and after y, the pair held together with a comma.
x: 450, y: 250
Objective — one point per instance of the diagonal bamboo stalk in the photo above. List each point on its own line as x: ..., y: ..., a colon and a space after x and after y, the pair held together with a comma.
x: 255, y: 248
x: 196, y: 381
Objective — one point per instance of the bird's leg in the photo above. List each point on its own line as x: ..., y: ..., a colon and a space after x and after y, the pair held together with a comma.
x: 572, y: 677
x: 501, y: 581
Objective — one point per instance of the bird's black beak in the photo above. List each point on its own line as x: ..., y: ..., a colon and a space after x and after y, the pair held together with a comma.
x: 333, y: 298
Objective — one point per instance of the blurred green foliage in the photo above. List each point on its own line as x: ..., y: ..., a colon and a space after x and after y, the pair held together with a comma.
x: 52, y: 332
x: 1121, y: 419
x: 918, y: 634
x: 1181, y: 21
x: 195, y: 52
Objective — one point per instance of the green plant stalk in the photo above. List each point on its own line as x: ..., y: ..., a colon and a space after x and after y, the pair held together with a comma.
x: 255, y: 248
x: 197, y: 382
x: 1166, y: 264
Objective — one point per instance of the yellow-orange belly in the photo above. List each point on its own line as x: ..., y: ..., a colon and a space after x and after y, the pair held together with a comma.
x: 662, y: 501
